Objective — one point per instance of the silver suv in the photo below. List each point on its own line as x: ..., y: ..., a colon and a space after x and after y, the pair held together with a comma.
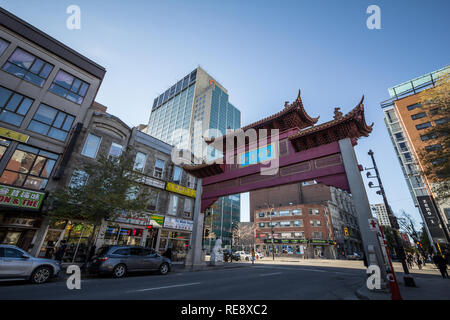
x: 16, y: 263
x: 119, y: 260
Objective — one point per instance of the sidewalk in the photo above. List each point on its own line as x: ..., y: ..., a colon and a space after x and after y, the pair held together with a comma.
x: 428, y: 287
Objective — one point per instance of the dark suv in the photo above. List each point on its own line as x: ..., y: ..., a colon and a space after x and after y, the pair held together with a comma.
x: 119, y: 260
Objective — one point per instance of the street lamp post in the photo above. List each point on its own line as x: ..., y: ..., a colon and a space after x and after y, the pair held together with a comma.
x: 409, y: 280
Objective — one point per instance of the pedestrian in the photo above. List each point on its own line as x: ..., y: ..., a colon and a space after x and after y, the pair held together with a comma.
x: 50, y: 250
x: 59, y: 255
x: 419, y: 262
x: 253, y: 256
x: 168, y: 253
x: 440, y: 262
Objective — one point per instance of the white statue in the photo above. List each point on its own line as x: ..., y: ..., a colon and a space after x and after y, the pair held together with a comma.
x: 217, y: 252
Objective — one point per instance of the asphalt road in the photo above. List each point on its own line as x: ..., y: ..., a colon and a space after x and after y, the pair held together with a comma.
x: 284, y: 282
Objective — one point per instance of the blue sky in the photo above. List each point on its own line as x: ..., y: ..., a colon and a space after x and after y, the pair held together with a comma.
x: 262, y: 52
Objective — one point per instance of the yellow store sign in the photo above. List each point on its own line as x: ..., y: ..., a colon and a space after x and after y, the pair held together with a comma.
x: 181, y: 190
x: 7, y: 133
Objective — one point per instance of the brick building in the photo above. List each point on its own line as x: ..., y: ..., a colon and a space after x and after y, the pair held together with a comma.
x: 322, y: 220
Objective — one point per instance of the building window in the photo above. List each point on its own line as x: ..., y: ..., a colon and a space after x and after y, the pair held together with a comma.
x: 152, y: 203
x: 261, y: 214
x: 285, y: 223
x: 414, y: 106
x: 423, y: 125
x: 79, y: 178
x: 298, y: 223
x: 51, y: 122
x: 441, y: 121
x: 139, y: 162
x: 262, y: 224
x: 3, y: 146
x: 13, y: 106
x: 188, y: 207
x: 69, y: 87
x: 177, y: 174
x: 313, y: 211
x: 317, y: 235
x: 91, y: 146
x: 3, y: 45
x: 132, y: 193
x: 26, y: 66
x: 434, y: 111
x: 173, y: 205
x: 418, y: 115
x: 297, y: 212
x: 29, y: 167
x: 399, y: 137
x: 159, y: 169
x: 115, y: 151
x: 429, y: 136
x: 434, y: 147
x: 191, y: 181
x: 285, y: 213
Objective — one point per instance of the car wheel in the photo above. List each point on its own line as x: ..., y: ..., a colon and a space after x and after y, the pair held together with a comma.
x: 119, y: 271
x: 41, y: 275
x: 163, y: 268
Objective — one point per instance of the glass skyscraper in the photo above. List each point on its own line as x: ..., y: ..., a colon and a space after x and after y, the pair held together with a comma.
x: 195, y: 107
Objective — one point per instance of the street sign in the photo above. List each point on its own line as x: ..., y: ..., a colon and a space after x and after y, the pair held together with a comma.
x: 373, y: 225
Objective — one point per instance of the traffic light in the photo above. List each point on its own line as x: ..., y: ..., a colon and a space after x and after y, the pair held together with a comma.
x: 206, y: 233
x: 335, y: 243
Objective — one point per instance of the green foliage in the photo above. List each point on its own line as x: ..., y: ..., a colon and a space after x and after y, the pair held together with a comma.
x: 435, y: 160
x: 103, y: 189
x: 390, y: 239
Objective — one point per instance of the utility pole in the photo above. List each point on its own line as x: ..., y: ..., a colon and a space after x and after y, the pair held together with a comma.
x: 409, y: 280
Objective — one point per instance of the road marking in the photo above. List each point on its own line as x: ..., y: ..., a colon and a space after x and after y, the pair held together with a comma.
x: 166, y: 287
x: 270, y: 274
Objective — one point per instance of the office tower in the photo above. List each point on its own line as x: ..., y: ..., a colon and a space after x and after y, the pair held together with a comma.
x: 194, y: 107
x: 407, y: 122
x: 381, y: 214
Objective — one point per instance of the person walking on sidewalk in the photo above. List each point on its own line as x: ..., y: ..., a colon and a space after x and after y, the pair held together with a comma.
x: 419, y: 262
x: 253, y: 256
x: 440, y: 262
x: 59, y: 255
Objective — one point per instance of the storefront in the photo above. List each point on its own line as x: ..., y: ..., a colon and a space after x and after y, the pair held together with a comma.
x: 138, y: 230
x: 176, y: 235
x: 20, y: 216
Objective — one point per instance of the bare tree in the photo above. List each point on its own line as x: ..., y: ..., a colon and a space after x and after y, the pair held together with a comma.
x: 243, y: 234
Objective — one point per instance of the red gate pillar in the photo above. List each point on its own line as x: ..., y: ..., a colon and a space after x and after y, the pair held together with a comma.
x: 362, y: 207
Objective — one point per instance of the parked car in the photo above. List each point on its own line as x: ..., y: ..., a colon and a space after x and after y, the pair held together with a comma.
x: 16, y: 263
x: 120, y: 260
x: 244, y: 255
x: 259, y: 255
x: 227, y: 254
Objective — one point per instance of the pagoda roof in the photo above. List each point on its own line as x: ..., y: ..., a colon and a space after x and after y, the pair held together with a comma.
x: 292, y: 116
x: 204, y: 170
x: 352, y: 125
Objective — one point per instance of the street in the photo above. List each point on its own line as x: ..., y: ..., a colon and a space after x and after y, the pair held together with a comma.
x: 266, y: 280
x: 263, y: 281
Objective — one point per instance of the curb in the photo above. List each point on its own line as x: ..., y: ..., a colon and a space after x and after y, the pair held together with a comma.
x: 363, y: 293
